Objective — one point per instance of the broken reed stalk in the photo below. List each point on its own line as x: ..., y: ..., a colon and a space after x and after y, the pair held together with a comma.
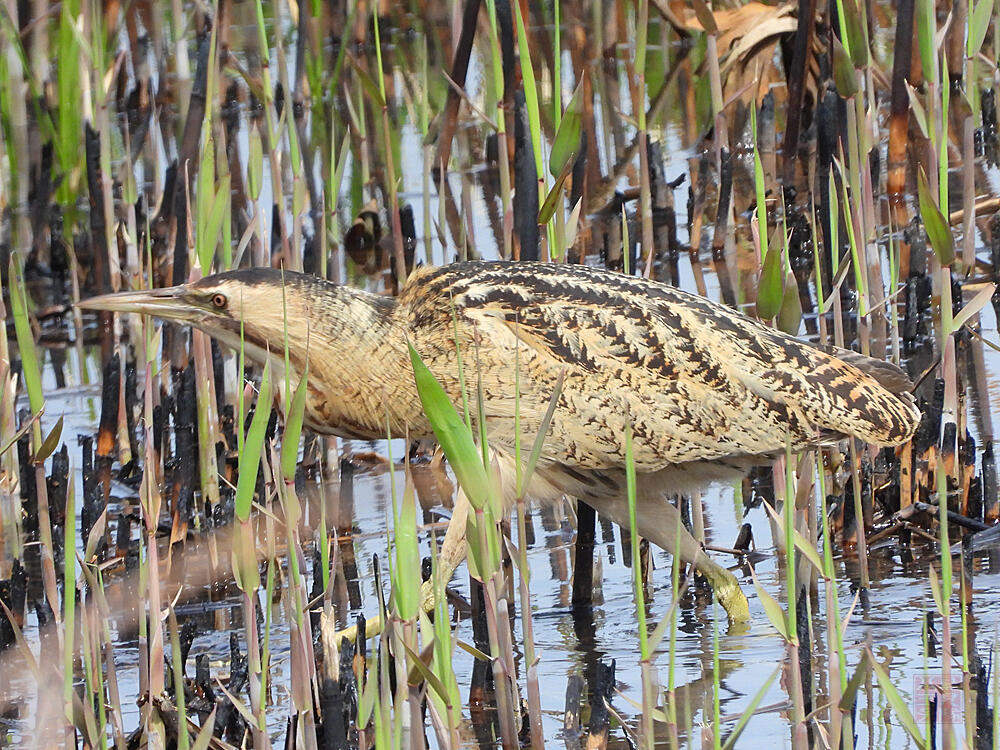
x: 968, y: 196
x: 459, y: 71
x: 293, y: 597
x: 583, y: 566
x: 397, y: 227
x: 639, y: 108
x: 271, y: 135
x: 801, y: 52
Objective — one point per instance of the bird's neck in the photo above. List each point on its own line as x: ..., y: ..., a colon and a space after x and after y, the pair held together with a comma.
x: 360, y: 381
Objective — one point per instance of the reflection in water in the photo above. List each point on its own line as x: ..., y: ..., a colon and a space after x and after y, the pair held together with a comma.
x: 463, y: 216
x: 569, y: 639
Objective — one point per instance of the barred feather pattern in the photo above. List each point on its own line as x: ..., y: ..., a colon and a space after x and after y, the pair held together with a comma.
x: 695, y: 380
x: 703, y: 388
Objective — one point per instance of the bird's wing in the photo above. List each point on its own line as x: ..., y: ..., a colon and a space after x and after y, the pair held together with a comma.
x: 693, y: 379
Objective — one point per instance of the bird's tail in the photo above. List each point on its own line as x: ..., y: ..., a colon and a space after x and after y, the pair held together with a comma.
x: 864, y: 397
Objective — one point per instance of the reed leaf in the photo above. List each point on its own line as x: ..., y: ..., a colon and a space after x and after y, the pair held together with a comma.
x: 801, y: 543
x: 253, y: 447
x: 204, y: 199
x: 543, y: 428
x: 935, y: 584
x: 216, y: 218
x: 857, y: 39
x: 843, y: 71
x: 748, y: 712
x: 630, y: 490
x: 705, y: 16
x: 566, y: 144
x: 23, y: 647
x: 760, y: 189
x: 790, y: 313
x: 406, y: 573
x: 368, y: 84
x: 857, y: 680
x: 94, y: 537
x: 979, y: 26
x: 452, y: 434
x: 554, y: 196
x: 926, y: 20
x: 473, y: 651
x: 25, y: 338
x: 771, y: 607
x: 50, y: 443
x: 896, y: 701
x: 293, y: 427
x: 919, y: 113
x: 935, y: 223
x: 205, y: 733
x: 21, y: 432
x: 255, y: 163
x: 530, y: 90
x: 426, y: 674
x: 973, y: 306
x: 770, y: 291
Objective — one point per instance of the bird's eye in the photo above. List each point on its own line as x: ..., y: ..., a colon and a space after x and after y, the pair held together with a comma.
x: 219, y: 300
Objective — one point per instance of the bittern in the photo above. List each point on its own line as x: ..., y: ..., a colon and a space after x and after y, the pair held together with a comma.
x: 704, y: 388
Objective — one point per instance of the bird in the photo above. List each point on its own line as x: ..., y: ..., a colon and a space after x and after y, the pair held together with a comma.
x: 706, y: 391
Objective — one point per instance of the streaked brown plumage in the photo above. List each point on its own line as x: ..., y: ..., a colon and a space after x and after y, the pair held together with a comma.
x: 703, y: 387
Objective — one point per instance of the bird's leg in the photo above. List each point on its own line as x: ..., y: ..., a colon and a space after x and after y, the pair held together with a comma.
x: 453, y: 552
x: 724, y: 584
x: 659, y: 522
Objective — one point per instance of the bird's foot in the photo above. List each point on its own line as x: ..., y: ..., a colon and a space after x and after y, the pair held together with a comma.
x: 727, y: 591
x: 373, y: 627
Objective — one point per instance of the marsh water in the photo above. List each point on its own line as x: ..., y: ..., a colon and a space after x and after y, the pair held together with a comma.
x: 461, y: 216
x: 571, y: 640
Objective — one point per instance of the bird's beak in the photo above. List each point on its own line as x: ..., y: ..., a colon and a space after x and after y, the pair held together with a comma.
x: 172, y: 303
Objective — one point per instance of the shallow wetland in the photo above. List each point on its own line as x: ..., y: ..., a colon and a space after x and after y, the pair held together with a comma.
x: 829, y: 168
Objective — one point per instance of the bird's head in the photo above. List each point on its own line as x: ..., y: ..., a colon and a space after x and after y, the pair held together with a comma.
x: 263, y: 306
